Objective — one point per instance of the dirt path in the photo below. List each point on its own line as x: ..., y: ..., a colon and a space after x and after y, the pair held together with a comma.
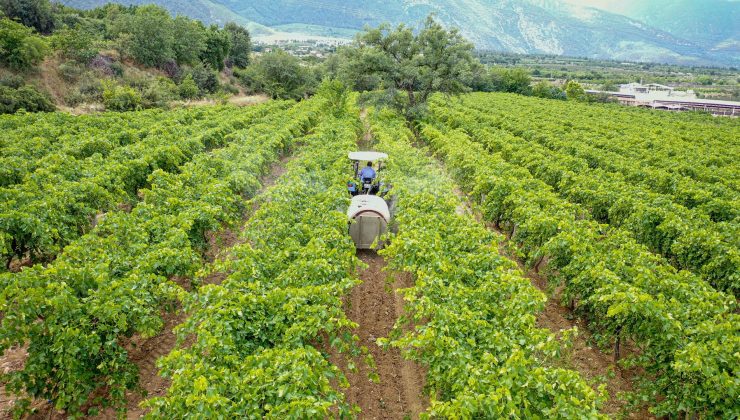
x: 376, y: 306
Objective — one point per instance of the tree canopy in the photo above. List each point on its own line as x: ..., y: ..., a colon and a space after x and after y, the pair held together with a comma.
x: 432, y: 60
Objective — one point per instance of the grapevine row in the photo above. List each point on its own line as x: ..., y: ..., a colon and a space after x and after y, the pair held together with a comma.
x: 715, y: 200
x: 77, y: 314
x: 690, y: 240
x: 59, y: 201
x: 687, y: 334
x: 701, y: 147
x: 472, y: 314
x: 256, y: 337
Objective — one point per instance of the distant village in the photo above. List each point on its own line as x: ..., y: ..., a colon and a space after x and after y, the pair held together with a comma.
x: 317, y: 49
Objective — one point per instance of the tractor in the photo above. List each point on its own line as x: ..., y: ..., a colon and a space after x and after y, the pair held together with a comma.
x: 368, y: 212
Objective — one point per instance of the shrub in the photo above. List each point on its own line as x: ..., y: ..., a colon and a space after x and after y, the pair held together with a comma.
x: 230, y: 89
x: 205, y: 78
x: 11, y: 80
x: 75, y: 44
x: 160, y: 92
x: 70, y: 71
x: 26, y: 97
x: 188, y: 89
x: 120, y: 98
x: 20, y: 48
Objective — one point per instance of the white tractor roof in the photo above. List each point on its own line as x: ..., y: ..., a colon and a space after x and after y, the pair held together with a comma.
x: 367, y: 156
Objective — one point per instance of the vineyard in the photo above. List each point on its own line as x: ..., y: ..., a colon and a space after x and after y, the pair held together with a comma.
x: 226, y: 228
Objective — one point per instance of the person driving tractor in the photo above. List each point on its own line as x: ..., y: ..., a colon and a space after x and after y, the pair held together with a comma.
x: 367, y: 172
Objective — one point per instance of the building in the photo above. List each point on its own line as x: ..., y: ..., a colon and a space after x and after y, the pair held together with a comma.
x: 656, y: 96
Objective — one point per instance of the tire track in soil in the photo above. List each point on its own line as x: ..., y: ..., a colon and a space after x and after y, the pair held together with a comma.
x: 145, y: 352
x: 375, y: 306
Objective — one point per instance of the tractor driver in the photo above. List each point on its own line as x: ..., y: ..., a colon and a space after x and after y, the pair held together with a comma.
x: 367, y: 172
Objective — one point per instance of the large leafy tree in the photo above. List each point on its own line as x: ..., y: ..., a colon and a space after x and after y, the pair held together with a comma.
x: 432, y: 60
x: 241, y: 44
x: 217, y: 48
x: 147, y: 35
x: 277, y: 74
x: 37, y: 14
x: 189, y: 40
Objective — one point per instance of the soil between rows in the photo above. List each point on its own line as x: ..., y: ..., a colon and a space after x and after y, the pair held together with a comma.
x: 375, y: 306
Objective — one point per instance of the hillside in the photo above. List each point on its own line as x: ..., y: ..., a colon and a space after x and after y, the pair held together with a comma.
x: 686, y: 34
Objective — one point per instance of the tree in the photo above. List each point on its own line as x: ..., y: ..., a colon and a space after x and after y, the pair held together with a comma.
x: 37, y: 14
x: 189, y: 40
x: 547, y: 91
x: 609, y: 86
x: 147, y: 35
x: 241, y: 44
x: 277, y: 74
x: 217, y: 48
x: 20, y: 48
x: 434, y: 60
x: 574, y: 91
x: 75, y: 44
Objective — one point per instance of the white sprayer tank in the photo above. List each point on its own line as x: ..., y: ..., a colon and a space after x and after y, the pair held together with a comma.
x: 369, y: 217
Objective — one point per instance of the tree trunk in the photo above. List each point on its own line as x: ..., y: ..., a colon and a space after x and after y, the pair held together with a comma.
x: 616, y: 345
x: 412, y: 97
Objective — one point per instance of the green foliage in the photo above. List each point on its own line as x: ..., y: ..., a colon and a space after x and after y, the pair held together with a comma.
x: 253, y: 355
x: 189, y: 40
x: 37, y: 14
x: 529, y: 174
x: 25, y: 97
x: 147, y: 35
x: 78, y: 305
x: 483, y: 360
x: 277, y: 74
x: 159, y: 93
x: 20, y: 48
x: 336, y: 96
x: 513, y: 80
x: 241, y: 45
x: 434, y: 60
x: 120, y: 98
x: 75, y: 44
x: 218, y: 44
x: 188, y: 89
x: 574, y: 91
x: 546, y: 91
x: 204, y: 77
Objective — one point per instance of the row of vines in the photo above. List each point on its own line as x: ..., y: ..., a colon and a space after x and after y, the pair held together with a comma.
x: 257, y: 345
x: 685, y: 334
x: 64, y: 176
x: 76, y: 315
x: 688, y: 238
x: 472, y: 315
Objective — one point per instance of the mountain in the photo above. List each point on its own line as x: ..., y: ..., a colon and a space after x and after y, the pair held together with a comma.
x: 675, y: 31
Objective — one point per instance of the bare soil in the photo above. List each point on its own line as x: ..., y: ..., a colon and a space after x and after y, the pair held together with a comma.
x: 375, y: 306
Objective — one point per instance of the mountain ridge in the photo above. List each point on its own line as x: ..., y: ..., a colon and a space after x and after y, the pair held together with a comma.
x: 526, y: 26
